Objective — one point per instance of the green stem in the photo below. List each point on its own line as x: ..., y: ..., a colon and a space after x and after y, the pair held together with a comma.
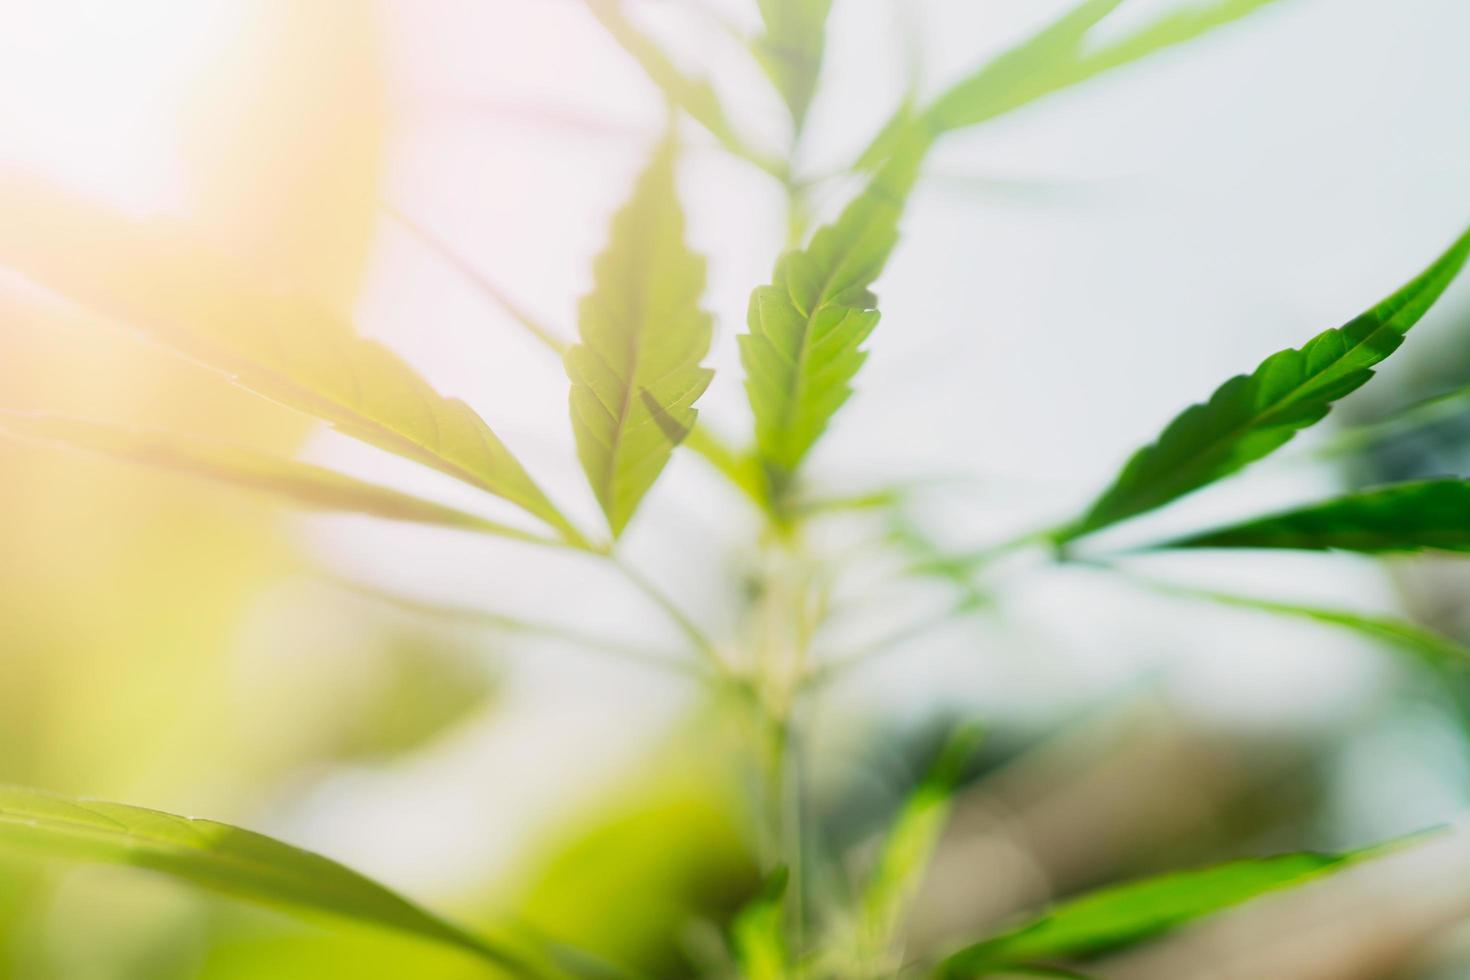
x: 879, y: 648
x: 544, y: 334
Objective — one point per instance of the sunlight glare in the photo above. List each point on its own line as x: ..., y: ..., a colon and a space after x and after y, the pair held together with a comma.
x: 92, y: 92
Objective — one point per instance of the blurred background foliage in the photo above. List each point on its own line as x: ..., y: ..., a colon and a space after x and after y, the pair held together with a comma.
x: 178, y: 646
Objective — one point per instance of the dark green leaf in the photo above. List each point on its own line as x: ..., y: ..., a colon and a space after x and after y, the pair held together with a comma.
x: 182, y: 294
x: 1428, y: 515
x: 636, y: 373
x: 1252, y: 415
x: 302, y: 483
x: 806, y: 328
x: 1123, y: 914
x: 225, y: 859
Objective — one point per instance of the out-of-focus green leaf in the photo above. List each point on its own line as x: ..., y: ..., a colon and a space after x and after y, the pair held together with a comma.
x: 428, y: 689
x: 791, y: 49
x: 1045, y: 62
x: 224, y: 859
x: 1123, y: 914
x: 910, y: 846
x: 1055, y: 58
x: 182, y: 294
x: 636, y: 373
x: 1405, y: 421
x: 657, y: 851
x: 803, y: 347
x: 1252, y: 415
x: 1059, y: 57
x: 929, y: 559
x: 758, y: 932
x: 302, y: 483
x: 1433, y: 648
x: 1427, y: 515
x: 695, y: 96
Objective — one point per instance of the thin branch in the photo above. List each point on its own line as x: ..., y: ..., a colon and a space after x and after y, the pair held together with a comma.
x: 696, y: 636
x: 504, y: 623
x: 894, y: 641
x: 480, y: 281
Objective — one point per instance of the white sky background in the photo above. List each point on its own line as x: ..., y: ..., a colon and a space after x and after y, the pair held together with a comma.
x: 1069, y: 277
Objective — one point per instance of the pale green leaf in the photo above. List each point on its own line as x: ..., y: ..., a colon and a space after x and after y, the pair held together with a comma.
x: 1120, y: 915
x: 636, y: 374
x: 302, y: 483
x: 695, y: 96
x: 185, y: 295
x: 1059, y: 57
x: 1252, y: 415
x: 806, y: 329
x: 1055, y: 58
x: 790, y: 50
x: 224, y: 859
x: 739, y: 469
x: 1426, y: 515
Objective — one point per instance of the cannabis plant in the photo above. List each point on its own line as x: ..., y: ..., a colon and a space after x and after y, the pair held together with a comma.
x: 636, y: 373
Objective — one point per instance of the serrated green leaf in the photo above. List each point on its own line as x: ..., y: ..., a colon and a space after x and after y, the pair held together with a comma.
x: 636, y: 374
x: 912, y: 840
x: 1426, y: 515
x: 183, y: 294
x: 739, y: 469
x: 1120, y: 915
x: 302, y: 483
x: 1252, y: 415
x: 804, y: 345
x: 790, y: 50
x: 225, y: 859
x: 695, y: 96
